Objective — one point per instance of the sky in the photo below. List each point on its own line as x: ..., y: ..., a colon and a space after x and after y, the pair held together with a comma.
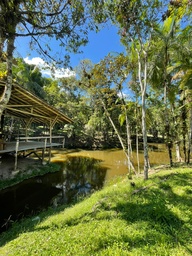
x: 99, y: 45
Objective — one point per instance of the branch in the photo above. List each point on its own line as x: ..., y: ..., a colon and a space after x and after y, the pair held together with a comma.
x: 47, y: 14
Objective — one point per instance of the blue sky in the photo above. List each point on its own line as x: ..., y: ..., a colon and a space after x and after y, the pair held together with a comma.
x: 99, y: 45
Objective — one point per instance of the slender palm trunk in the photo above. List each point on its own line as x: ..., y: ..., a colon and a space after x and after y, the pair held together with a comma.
x: 166, y: 113
x: 189, y: 137
x: 184, y: 124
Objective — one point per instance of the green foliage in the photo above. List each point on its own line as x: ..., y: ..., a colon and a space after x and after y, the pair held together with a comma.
x: 68, y: 22
x: 30, y: 77
x: 152, y: 218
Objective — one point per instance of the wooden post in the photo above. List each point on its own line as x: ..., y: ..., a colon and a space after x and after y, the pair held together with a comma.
x: 63, y: 145
x: 51, y: 125
x: 50, y: 141
x: 16, y: 153
x: 43, y: 150
x: 27, y: 125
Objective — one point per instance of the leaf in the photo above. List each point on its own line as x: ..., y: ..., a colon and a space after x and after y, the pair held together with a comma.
x: 121, y: 119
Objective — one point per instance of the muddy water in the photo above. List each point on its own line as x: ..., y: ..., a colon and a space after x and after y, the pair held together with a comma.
x: 115, y: 160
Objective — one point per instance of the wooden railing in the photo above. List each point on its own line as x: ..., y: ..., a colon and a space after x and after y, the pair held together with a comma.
x: 46, y: 139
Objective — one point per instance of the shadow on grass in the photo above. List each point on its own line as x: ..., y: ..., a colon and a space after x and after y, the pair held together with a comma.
x: 155, y: 206
x: 158, y: 209
x: 152, y: 208
x: 27, y: 224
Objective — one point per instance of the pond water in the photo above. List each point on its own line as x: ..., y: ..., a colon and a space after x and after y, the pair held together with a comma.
x: 115, y: 160
x: 78, y: 176
x: 81, y: 173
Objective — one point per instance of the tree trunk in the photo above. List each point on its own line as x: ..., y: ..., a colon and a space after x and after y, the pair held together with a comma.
x: 137, y: 137
x: 137, y: 150
x: 184, y: 124
x: 130, y: 164
x: 129, y: 148
x: 145, y: 146
x: 8, y: 86
x: 190, y: 137
x: 169, y: 145
x: 143, y: 86
x: 178, y: 152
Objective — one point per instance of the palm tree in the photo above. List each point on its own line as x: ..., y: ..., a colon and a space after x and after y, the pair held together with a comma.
x: 160, y: 79
x: 30, y: 77
x: 182, y: 70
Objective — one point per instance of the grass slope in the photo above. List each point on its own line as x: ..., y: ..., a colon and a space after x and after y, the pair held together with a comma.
x: 152, y: 218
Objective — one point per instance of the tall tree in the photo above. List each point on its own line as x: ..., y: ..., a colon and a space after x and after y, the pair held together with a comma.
x: 66, y: 21
x: 160, y: 78
x: 181, y: 70
x: 105, y: 80
x: 165, y: 50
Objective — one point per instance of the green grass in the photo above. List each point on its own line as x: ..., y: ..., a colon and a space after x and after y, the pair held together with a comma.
x: 152, y: 218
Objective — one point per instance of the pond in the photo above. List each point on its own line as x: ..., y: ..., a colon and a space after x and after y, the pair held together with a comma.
x: 81, y: 173
x: 78, y: 176
x: 115, y: 160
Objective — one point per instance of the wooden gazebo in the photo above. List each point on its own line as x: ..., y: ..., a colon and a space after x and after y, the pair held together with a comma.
x: 31, y: 109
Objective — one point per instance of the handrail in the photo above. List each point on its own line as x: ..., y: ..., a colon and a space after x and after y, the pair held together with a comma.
x: 39, y: 137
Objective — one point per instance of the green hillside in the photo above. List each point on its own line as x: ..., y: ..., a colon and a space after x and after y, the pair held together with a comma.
x: 151, y: 217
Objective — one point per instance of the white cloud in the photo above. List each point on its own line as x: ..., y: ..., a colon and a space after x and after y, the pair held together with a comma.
x: 48, y: 70
x: 35, y: 61
x: 62, y: 72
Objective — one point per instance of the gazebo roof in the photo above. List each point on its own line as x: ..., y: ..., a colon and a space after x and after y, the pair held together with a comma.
x: 25, y: 105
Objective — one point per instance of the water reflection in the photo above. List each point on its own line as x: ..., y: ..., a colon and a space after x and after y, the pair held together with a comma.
x: 77, y: 177
x: 81, y: 175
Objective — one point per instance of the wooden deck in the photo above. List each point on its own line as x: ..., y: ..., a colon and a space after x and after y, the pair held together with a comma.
x: 30, y: 145
x: 10, y: 147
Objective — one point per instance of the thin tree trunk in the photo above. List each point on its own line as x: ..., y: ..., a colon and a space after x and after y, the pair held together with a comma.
x: 190, y: 137
x: 166, y: 113
x: 145, y: 146
x: 129, y: 148
x: 178, y: 152
x: 184, y: 148
x: 137, y: 139
x: 184, y: 124
x: 170, y: 153
x: 137, y: 152
x: 143, y: 86
x: 130, y: 164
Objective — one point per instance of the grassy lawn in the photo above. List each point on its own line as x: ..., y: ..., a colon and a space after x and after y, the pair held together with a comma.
x: 152, y: 218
